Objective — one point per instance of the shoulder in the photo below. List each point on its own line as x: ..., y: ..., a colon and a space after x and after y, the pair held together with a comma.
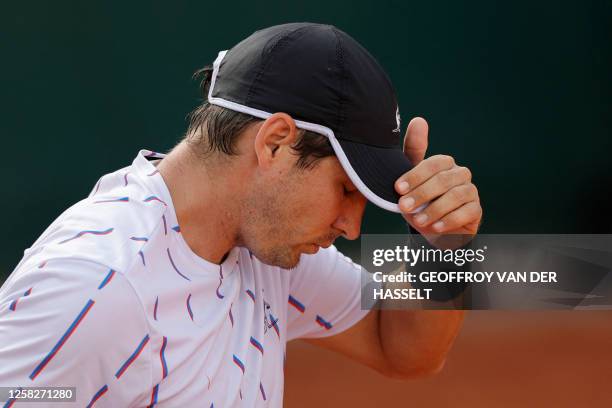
x: 106, y: 228
x: 58, y: 288
x: 72, y: 322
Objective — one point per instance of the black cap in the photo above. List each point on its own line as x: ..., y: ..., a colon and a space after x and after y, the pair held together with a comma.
x: 330, y: 85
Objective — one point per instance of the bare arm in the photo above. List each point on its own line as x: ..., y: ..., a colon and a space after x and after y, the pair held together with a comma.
x: 416, y: 343
x: 412, y: 343
x: 399, y: 343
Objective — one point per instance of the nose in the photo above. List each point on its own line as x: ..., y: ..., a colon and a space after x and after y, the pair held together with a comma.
x: 349, y: 220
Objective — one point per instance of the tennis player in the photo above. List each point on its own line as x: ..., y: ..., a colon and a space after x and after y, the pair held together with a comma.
x: 180, y: 279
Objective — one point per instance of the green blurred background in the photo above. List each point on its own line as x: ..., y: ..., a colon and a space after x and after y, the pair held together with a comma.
x: 517, y: 91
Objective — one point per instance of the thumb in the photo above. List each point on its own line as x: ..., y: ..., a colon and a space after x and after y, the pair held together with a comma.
x: 416, y: 140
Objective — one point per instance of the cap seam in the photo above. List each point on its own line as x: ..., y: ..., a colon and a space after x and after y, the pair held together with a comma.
x: 341, y: 106
x: 284, y: 37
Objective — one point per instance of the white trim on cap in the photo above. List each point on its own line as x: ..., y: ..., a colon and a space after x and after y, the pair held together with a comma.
x: 313, y: 127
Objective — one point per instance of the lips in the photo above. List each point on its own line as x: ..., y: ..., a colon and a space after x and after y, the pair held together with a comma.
x: 328, y: 242
x: 315, y: 246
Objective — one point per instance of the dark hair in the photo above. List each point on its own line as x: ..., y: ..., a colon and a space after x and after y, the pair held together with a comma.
x: 223, y: 126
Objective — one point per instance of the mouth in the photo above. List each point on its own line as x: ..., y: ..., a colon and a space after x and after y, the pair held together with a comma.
x: 313, y: 247
x: 329, y: 241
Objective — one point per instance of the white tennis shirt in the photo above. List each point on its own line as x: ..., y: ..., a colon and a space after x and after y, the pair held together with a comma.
x: 112, y: 301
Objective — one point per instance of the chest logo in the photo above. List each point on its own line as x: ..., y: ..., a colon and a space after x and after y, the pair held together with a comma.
x: 270, y: 321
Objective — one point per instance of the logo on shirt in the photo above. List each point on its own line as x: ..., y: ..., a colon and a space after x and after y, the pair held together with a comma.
x: 269, y: 320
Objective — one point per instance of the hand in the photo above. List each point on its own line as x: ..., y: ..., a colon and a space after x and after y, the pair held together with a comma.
x: 454, y: 204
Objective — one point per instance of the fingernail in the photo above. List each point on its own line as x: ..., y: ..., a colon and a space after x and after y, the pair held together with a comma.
x: 421, y: 218
x: 408, y: 202
x: 403, y: 187
x: 438, y: 226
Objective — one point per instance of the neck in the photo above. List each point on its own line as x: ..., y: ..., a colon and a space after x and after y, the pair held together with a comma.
x: 205, y: 207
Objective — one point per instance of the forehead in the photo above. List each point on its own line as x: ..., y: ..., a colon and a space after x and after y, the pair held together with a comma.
x: 330, y: 168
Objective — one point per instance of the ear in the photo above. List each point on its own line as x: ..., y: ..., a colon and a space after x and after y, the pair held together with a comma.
x: 275, y: 137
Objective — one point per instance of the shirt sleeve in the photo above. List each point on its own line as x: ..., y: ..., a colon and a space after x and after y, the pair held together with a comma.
x: 74, y: 323
x: 325, y: 295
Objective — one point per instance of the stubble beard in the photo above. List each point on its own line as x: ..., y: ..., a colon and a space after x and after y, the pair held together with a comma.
x: 284, y: 257
x: 268, y: 229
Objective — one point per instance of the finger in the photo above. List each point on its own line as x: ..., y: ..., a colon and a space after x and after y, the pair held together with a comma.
x: 443, y: 183
x: 449, y: 202
x: 467, y: 214
x: 423, y: 172
x: 416, y: 140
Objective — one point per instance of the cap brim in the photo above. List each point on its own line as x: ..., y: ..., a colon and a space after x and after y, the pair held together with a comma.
x: 374, y: 171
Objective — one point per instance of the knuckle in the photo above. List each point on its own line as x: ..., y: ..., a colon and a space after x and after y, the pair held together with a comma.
x: 467, y: 173
x: 473, y: 190
x: 447, y: 160
x: 465, y: 214
x: 478, y: 210
x: 442, y: 162
x: 437, y: 163
x: 446, y: 178
x: 435, y: 167
x: 457, y: 193
x: 472, y: 212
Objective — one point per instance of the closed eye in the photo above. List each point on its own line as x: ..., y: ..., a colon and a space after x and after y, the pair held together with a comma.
x: 348, y: 190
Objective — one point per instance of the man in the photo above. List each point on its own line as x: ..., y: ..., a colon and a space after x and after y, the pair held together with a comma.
x: 178, y: 281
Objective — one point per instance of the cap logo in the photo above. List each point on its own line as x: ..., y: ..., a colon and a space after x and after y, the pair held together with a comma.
x: 398, y: 120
